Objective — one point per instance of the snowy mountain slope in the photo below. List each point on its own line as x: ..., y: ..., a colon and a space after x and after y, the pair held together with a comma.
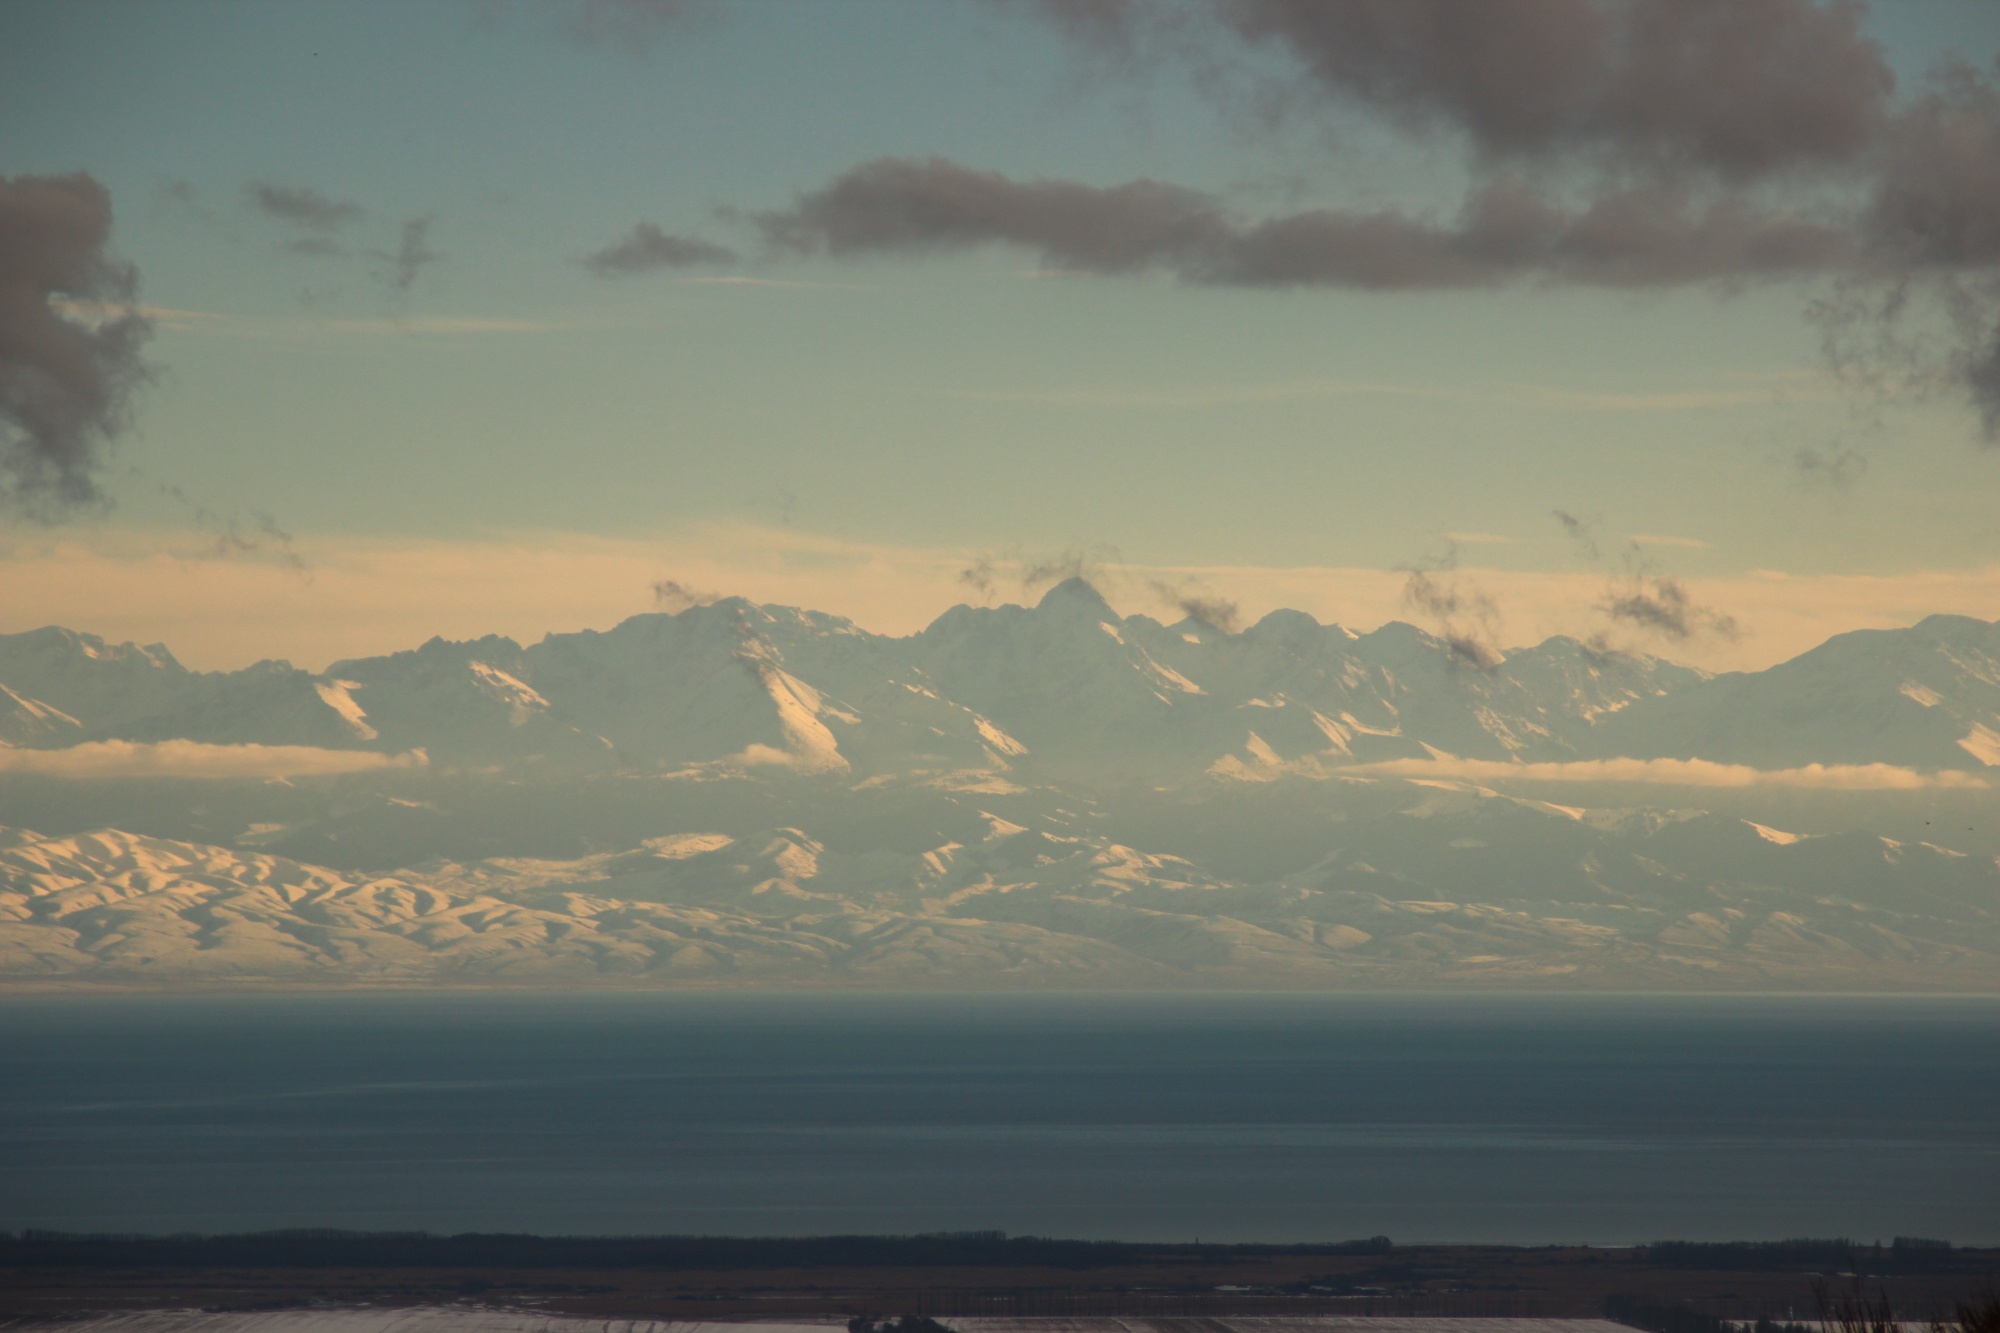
x: 1441, y: 885
x: 127, y: 692
x: 1925, y: 697
x: 25, y: 721
x: 1537, y: 704
x: 1065, y: 680
x: 714, y: 681
x: 458, y: 702
x: 1089, y: 691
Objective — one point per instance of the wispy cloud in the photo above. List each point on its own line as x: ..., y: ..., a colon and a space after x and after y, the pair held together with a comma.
x: 1679, y: 400
x: 235, y: 325
x: 1519, y: 396
x: 301, y: 205
x: 446, y: 325
x: 740, y: 280
x: 1187, y: 396
x: 399, y: 267
x: 648, y: 248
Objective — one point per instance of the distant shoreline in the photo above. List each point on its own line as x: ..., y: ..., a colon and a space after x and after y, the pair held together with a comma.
x: 954, y: 1275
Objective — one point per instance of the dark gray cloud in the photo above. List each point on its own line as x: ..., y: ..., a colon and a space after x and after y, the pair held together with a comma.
x: 413, y: 252
x: 1735, y: 88
x: 70, y: 340
x: 1508, y: 230
x: 979, y: 576
x: 648, y: 248
x: 1652, y: 236
x: 1612, y: 143
x: 1057, y: 569
x: 1580, y: 533
x: 1464, y: 616
x: 1936, y: 202
x: 1982, y: 379
x: 1833, y: 467
x: 172, y: 197
x: 1741, y: 87
x: 1640, y: 597
x: 1662, y: 605
x: 989, y: 574
x: 1892, y: 334
x: 1103, y: 23
x: 301, y: 206
x: 1217, y: 612
x: 1609, y: 143
x: 243, y: 532
x: 257, y: 532
x: 931, y: 205
x: 674, y: 597
x: 316, y: 218
x: 1922, y: 313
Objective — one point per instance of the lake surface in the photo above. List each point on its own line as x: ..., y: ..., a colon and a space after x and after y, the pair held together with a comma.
x: 1220, y: 1117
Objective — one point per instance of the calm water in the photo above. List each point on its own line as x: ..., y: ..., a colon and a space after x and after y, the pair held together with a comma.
x: 1220, y: 1117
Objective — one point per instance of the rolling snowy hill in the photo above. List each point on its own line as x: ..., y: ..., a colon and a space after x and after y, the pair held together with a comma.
x: 1445, y: 888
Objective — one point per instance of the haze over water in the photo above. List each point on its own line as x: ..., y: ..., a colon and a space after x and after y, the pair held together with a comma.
x: 1520, y: 1119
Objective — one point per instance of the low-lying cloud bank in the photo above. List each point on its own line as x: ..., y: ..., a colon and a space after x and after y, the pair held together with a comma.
x: 1675, y: 773
x: 196, y: 759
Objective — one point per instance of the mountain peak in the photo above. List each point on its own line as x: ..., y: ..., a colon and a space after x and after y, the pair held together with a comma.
x: 1952, y: 626
x: 1077, y: 592
x: 55, y: 642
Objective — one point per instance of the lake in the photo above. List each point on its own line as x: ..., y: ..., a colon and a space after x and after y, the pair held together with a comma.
x: 1500, y: 1118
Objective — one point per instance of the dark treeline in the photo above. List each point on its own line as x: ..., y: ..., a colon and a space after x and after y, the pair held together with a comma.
x: 1906, y: 1254
x: 326, y: 1248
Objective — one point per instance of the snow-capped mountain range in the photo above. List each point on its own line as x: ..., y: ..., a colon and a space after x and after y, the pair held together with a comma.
x: 742, y: 794
x: 1065, y: 689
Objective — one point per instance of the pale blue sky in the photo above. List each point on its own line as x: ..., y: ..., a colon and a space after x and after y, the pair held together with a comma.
x: 960, y: 403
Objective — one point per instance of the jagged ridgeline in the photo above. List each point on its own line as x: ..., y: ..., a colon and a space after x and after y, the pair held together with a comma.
x: 760, y: 795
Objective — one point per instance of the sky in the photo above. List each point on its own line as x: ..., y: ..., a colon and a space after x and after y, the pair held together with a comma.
x: 325, y: 327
